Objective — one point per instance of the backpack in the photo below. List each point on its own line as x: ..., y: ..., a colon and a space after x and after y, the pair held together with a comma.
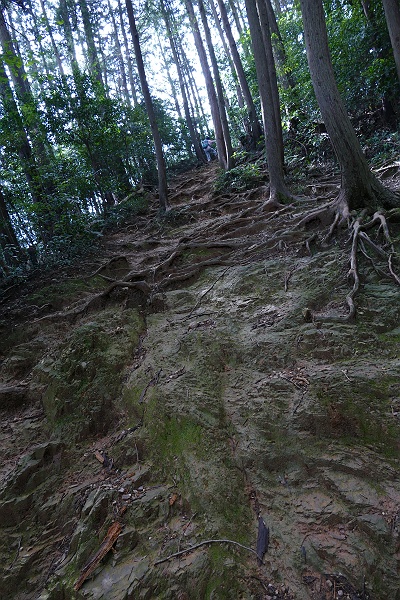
x: 204, y: 144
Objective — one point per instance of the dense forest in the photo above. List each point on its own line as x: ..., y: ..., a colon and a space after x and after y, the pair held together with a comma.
x: 103, y: 101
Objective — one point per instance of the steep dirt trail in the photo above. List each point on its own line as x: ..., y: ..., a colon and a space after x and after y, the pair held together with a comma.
x: 174, y: 386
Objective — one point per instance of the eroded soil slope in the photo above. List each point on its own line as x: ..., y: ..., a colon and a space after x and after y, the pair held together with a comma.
x: 176, y: 389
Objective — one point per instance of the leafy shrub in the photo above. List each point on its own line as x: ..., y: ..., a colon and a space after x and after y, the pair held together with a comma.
x: 238, y: 179
x: 125, y: 212
x: 382, y: 146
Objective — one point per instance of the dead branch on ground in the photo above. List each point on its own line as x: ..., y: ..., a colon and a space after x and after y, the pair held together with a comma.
x: 205, y: 543
x: 107, y: 544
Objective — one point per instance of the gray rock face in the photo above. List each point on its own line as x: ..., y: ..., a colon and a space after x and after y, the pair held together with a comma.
x: 224, y: 406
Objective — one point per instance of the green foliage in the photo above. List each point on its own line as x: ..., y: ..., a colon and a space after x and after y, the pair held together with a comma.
x: 239, y: 178
x: 362, y: 55
x: 101, y: 151
x: 362, y: 59
x: 382, y: 146
x: 125, y: 212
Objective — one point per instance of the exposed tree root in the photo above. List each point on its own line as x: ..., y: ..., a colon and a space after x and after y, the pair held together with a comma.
x: 97, y: 299
x: 229, y: 230
x: 338, y: 213
x: 393, y: 274
x: 194, y: 271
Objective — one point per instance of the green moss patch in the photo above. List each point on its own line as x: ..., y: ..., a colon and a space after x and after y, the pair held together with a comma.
x: 84, y: 381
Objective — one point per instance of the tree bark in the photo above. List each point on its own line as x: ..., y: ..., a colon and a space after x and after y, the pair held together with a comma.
x: 254, y: 123
x: 189, y: 122
x: 119, y: 56
x: 128, y: 57
x: 51, y: 36
x: 228, y: 53
x: 392, y: 14
x: 212, y: 96
x: 268, y: 87
x: 69, y: 38
x: 94, y: 63
x: 360, y: 188
x: 236, y: 17
x: 19, y: 140
x: 161, y: 167
x: 192, y: 89
x: 285, y: 76
x: 38, y: 38
x: 221, y: 97
x: 8, y: 240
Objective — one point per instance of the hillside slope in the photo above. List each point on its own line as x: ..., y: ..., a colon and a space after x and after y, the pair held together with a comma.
x: 193, y: 384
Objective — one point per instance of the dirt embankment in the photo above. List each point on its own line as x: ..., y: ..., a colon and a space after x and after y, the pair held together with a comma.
x: 198, y: 375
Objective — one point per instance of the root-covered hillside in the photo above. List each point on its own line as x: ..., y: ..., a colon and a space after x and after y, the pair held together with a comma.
x: 208, y: 407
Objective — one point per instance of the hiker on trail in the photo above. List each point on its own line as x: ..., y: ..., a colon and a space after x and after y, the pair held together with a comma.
x: 208, y: 149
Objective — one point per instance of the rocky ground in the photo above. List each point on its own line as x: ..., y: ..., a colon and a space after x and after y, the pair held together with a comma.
x: 192, y: 386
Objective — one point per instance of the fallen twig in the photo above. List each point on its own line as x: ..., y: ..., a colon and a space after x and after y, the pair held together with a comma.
x: 205, y: 543
x: 206, y: 292
x: 152, y: 382
x: 287, y: 278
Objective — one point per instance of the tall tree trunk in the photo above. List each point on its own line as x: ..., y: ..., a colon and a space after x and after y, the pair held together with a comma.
x: 94, y: 63
x: 285, y: 76
x: 38, y: 38
x: 8, y: 240
x: 235, y: 13
x: 119, y: 56
x: 172, y: 86
x: 270, y: 63
x: 228, y: 54
x: 360, y: 188
x: 68, y: 35
x: 218, y: 84
x: 18, y: 138
x: 212, y: 96
x: 161, y: 167
x: 189, y: 122
x: 52, y: 40
x: 20, y: 142
x: 254, y: 123
x: 192, y: 89
x: 20, y: 81
x: 127, y: 54
x: 392, y: 14
x: 167, y: 68
x: 389, y: 113
x: 31, y: 128
x: 269, y: 102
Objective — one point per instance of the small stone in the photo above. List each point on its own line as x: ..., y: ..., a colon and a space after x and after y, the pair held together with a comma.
x: 340, y: 593
x: 329, y: 583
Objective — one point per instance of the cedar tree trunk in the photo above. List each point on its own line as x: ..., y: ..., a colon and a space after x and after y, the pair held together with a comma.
x: 392, y: 14
x: 161, y: 167
x: 268, y: 88
x: 360, y: 188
